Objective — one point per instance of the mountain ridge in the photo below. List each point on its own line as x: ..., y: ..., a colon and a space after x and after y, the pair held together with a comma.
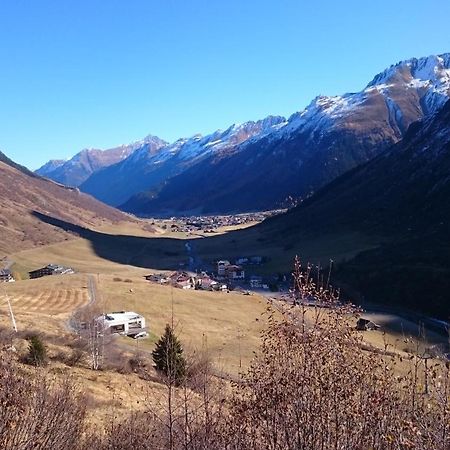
x: 145, y: 169
x: 401, y: 199
x: 314, y: 146
x: 292, y: 158
x: 81, y: 166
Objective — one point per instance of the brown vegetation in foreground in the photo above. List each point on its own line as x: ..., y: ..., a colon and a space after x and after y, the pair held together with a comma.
x: 312, y: 385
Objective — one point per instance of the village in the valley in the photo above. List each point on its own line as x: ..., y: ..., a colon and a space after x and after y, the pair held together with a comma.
x: 215, y: 223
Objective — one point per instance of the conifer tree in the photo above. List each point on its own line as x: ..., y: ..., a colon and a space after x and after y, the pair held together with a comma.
x: 37, y: 353
x: 168, y: 356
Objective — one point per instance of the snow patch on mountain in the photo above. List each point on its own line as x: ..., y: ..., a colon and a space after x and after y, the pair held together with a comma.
x: 430, y: 76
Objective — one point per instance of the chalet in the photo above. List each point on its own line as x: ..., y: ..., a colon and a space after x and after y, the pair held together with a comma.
x: 366, y: 325
x: 205, y: 282
x: 50, y: 269
x: 127, y: 323
x: 221, y: 267
x: 6, y: 276
x: 182, y: 280
x: 233, y: 272
x: 256, y: 260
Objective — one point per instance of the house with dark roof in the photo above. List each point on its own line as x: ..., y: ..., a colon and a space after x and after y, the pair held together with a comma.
x: 6, y: 276
x: 50, y: 269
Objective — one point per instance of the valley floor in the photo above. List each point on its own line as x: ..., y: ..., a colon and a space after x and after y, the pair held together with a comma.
x: 227, y: 325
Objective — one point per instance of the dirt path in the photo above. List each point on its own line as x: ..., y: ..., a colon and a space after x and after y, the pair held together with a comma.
x: 70, y: 324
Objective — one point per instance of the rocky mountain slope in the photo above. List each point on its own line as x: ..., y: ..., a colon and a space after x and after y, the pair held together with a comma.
x: 150, y: 168
x: 22, y: 193
x: 401, y: 198
x: 79, y: 168
x: 314, y: 146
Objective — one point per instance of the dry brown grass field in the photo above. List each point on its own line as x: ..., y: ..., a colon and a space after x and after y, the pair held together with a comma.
x: 227, y: 325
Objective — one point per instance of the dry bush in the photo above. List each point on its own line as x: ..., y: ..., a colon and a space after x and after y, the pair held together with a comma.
x: 317, y: 388
x: 77, y: 357
x: 6, y: 337
x: 186, y: 416
x: 313, y: 385
x: 38, y: 414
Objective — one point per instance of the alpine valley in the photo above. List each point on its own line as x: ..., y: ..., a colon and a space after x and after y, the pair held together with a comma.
x: 264, y: 164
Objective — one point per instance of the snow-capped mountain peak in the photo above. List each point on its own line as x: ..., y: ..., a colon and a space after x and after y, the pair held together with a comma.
x: 434, y: 69
x: 429, y: 77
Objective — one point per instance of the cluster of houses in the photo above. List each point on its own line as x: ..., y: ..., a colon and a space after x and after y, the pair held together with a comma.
x: 185, y: 280
x: 208, y: 224
x: 227, y: 276
x: 50, y: 269
x: 6, y: 276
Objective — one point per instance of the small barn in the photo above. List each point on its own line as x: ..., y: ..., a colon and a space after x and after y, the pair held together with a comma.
x: 366, y: 325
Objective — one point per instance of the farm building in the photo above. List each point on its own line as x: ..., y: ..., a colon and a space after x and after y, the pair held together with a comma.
x: 6, y: 276
x: 366, y: 324
x: 50, y: 269
x: 127, y: 323
x: 157, y: 278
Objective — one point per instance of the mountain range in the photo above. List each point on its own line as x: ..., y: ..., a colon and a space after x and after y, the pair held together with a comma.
x: 258, y: 165
x: 79, y: 168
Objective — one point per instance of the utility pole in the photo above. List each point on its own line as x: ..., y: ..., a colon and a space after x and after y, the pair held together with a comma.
x: 13, y: 319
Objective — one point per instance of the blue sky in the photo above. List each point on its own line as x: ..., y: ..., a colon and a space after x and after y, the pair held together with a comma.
x: 96, y: 73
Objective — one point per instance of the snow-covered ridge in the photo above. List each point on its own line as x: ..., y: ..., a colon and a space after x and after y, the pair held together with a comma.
x: 429, y: 75
x: 198, y: 146
x: 427, y: 79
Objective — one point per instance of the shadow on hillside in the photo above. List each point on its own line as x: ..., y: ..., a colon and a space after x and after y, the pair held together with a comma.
x: 158, y: 253
x: 168, y: 253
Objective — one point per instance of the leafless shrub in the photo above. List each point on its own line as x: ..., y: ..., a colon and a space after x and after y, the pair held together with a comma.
x: 140, y: 431
x: 6, y: 337
x: 76, y: 357
x: 314, y: 386
x: 38, y: 414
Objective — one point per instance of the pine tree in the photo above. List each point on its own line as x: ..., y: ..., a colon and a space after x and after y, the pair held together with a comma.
x: 37, y: 353
x: 168, y: 356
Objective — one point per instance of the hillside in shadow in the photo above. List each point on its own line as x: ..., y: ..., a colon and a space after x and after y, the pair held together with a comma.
x: 158, y: 253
